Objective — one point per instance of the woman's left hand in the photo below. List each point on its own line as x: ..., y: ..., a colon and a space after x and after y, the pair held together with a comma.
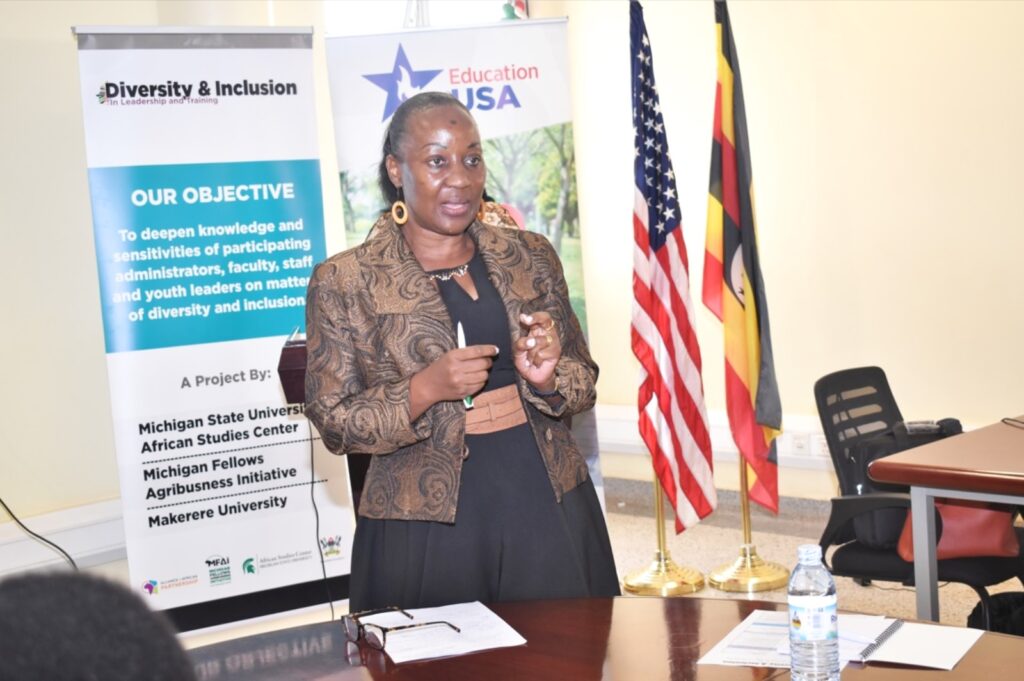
x: 536, y: 353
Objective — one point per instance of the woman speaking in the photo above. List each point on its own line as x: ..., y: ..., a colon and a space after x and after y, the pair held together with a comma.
x: 446, y: 348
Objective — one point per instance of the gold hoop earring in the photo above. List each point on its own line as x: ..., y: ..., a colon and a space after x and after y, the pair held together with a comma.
x: 399, y: 212
x: 480, y: 212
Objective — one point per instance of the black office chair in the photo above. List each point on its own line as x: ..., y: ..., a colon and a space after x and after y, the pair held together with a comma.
x: 855, y: 405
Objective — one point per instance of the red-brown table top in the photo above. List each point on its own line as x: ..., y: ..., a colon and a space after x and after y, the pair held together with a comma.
x: 989, y: 459
x: 628, y: 638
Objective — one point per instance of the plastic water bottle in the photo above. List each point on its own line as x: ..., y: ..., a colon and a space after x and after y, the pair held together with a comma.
x: 813, y: 630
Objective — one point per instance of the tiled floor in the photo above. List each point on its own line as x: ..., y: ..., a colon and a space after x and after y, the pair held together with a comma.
x: 716, y: 541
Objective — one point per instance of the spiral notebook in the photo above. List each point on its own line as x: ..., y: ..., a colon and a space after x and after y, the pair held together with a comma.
x: 920, y: 645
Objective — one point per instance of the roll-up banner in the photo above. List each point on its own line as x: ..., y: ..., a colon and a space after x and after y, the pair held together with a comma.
x: 514, y: 78
x: 204, y: 175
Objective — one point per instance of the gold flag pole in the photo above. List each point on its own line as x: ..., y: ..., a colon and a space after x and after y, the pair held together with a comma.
x: 663, y: 577
x: 749, y: 572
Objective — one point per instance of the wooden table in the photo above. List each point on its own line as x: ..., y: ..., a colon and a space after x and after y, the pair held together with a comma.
x: 983, y: 465
x: 627, y: 638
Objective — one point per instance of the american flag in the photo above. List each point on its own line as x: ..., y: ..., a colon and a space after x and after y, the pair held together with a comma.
x: 673, y: 422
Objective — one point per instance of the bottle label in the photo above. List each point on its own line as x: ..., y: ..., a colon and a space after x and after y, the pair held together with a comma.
x: 813, y: 618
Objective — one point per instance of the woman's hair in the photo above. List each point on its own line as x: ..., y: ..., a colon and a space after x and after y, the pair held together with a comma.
x: 395, y: 133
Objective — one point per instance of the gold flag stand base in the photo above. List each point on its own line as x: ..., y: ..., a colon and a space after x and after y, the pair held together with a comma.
x: 749, y: 573
x: 664, y: 578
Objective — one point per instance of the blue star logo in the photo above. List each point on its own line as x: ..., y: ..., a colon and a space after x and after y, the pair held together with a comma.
x: 401, y: 83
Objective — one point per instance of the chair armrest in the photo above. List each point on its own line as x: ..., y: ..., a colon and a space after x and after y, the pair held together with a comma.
x: 839, y: 529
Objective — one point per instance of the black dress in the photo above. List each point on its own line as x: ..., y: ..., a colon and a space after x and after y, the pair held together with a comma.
x: 511, y: 540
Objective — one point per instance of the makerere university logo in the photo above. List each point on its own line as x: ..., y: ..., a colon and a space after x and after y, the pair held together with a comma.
x: 331, y: 545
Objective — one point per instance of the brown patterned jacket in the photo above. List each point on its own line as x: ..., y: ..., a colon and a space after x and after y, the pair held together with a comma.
x: 374, y: 318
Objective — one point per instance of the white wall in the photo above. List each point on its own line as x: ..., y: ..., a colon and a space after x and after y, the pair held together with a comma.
x: 55, y: 430
x: 885, y: 139
x: 55, y: 425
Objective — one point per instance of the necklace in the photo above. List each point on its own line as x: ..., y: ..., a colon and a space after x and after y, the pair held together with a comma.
x: 445, y: 275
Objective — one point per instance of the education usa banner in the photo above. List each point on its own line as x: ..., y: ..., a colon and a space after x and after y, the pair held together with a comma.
x: 513, y: 77
x: 208, y: 218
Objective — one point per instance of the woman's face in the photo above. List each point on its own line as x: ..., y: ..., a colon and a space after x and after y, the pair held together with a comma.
x: 441, y: 171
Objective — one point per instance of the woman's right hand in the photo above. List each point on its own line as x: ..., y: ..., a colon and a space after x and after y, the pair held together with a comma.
x: 452, y: 376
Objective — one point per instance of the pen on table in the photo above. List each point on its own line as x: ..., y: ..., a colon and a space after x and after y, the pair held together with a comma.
x: 468, y: 399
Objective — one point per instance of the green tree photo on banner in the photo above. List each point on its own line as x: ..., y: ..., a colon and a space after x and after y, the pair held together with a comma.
x: 532, y: 173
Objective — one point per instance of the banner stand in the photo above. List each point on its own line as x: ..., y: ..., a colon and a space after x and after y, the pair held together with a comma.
x: 205, y: 184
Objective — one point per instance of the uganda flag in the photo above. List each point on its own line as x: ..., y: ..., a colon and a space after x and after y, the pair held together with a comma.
x: 733, y: 287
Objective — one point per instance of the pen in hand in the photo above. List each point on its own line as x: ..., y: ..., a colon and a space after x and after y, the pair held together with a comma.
x: 467, y: 401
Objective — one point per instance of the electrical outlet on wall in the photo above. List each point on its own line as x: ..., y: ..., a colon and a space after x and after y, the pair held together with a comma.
x: 819, y: 446
x: 801, y: 444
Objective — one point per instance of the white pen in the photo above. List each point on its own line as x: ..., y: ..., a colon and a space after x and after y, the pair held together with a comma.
x: 461, y: 337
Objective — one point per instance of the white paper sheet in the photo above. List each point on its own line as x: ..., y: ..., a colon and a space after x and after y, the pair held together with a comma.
x: 856, y: 632
x: 762, y: 640
x: 480, y: 628
x: 926, y: 645
x: 754, y: 642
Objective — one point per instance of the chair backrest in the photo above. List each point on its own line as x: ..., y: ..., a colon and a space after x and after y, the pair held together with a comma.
x: 853, y: 404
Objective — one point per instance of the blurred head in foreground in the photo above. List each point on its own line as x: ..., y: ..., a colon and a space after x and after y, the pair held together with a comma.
x: 77, y: 627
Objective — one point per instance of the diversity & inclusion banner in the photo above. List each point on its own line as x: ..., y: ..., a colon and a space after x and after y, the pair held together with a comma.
x: 513, y: 77
x: 204, y: 175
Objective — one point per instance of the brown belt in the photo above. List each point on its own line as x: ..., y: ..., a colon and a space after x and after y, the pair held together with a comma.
x: 495, y: 410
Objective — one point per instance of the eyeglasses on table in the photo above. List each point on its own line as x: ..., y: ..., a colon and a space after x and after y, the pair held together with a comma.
x: 375, y: 635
